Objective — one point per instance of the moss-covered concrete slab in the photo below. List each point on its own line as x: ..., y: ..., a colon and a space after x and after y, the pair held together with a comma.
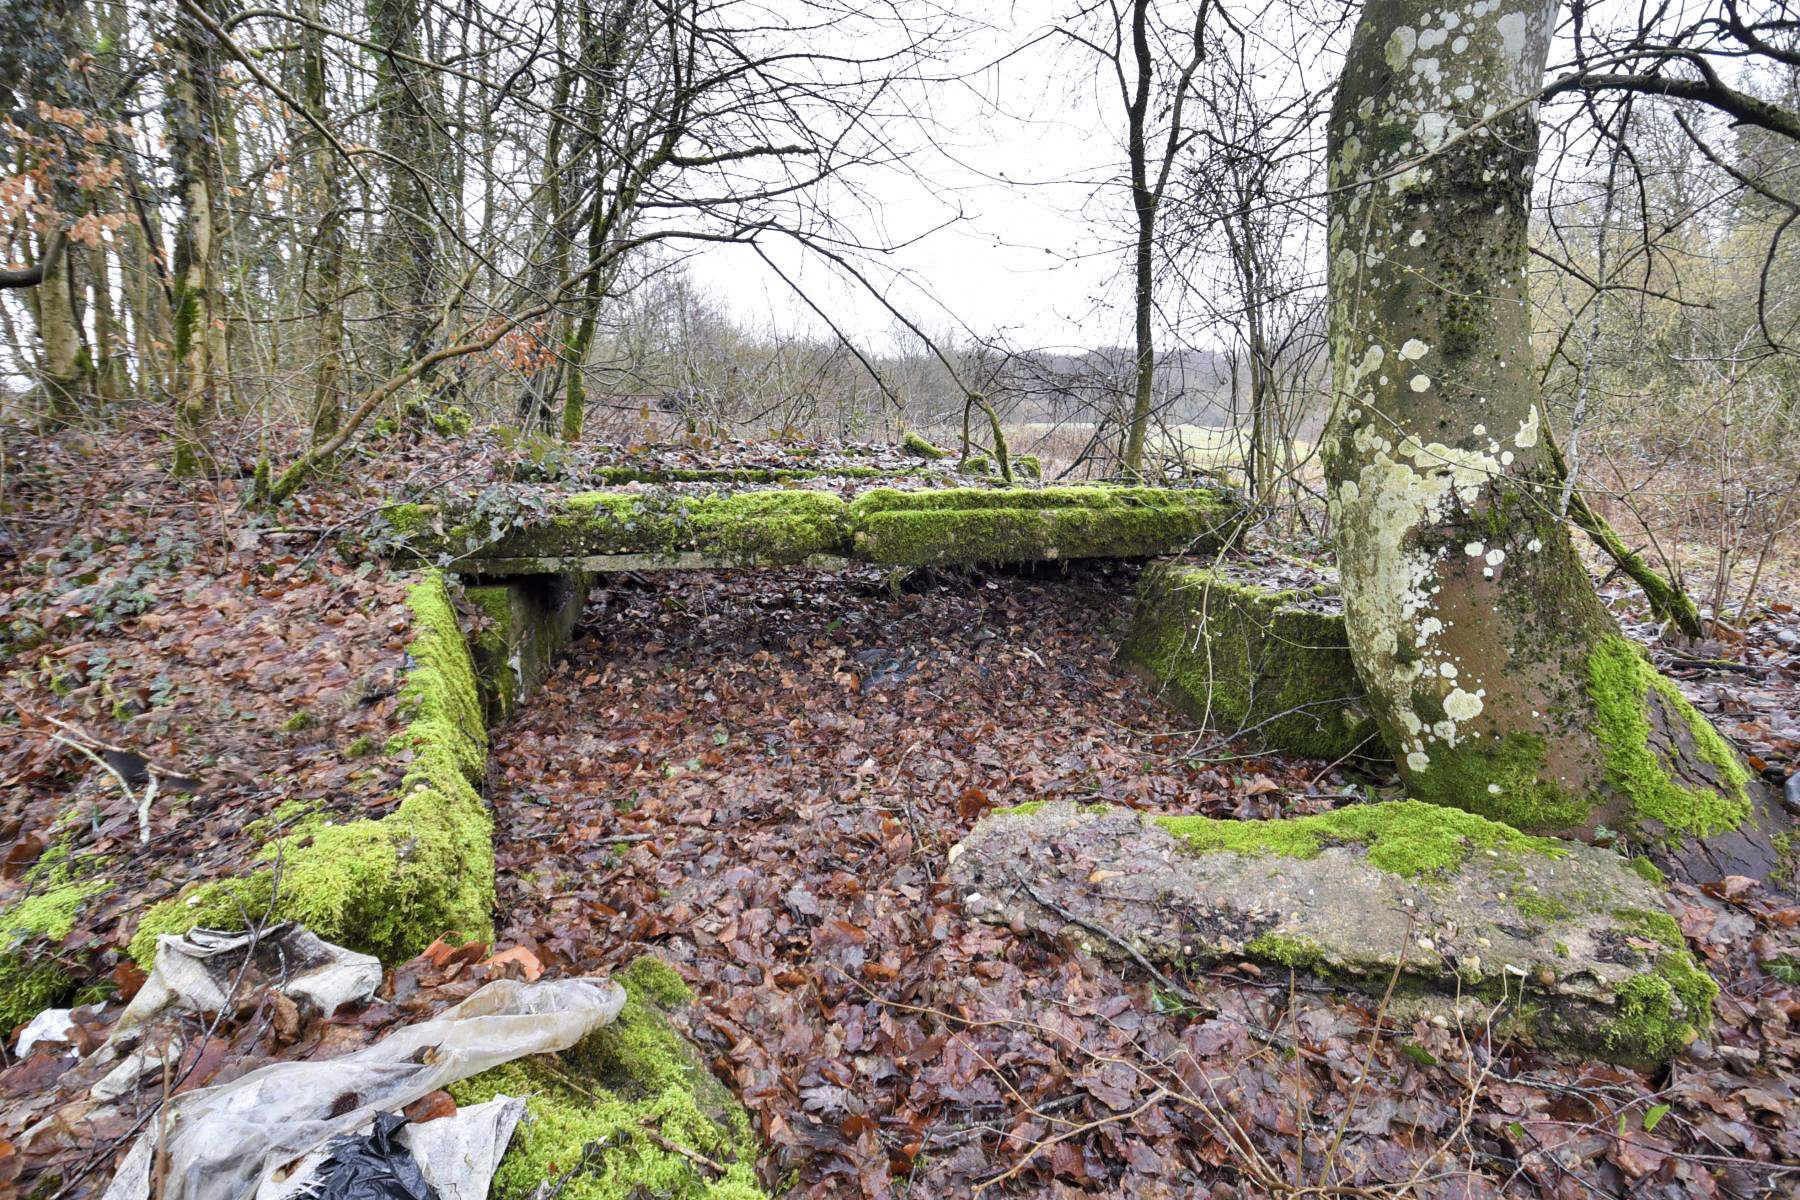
x: 526, y: 620
x: 1240, y: 657
x: 1012, y: 525
x: 388, y: 886
x: 886, y: 526
x: 1568, y: 942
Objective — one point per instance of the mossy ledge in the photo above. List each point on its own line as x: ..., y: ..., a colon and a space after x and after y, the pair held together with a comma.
x: 1240, y: 657
x: 1559, y: 944
x: 885, y: 526
x: 387, y: 886
x: 1402, y: 837
x: 591, y: 1110
x: 1007, y: 525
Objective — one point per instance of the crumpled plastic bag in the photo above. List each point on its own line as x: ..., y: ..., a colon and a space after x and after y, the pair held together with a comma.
x: 197, y: 971
x: 50, y: 1026
x: 455, y: 1155
x: 370, y: 1166
x: 227, y: 1142
x: 204, y: 970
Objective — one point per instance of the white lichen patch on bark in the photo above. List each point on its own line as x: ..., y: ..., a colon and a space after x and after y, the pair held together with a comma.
x: 1413, y: 281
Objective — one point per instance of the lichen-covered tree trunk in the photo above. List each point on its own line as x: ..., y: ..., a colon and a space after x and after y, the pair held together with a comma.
x: 61, y: 372
x: 1501, y: 682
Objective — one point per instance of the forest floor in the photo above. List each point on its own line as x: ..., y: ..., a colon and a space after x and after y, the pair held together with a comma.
x: 758, y: 776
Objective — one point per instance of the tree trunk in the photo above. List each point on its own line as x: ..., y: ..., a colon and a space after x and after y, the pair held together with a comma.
x: 1501, y: 682
x: 1143, y: 283
x: 62, y: 374
x: 199, y: 343
x: 405, y: 266
x: 328, y: 242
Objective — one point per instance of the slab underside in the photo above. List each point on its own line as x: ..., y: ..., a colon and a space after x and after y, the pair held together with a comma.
x: 1552, y: 950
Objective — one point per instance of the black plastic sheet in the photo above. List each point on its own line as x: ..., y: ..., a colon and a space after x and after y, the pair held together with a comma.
x: 372, y: 1166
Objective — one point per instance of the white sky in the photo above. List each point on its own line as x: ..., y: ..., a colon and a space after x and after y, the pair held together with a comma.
x: 1011, y: 249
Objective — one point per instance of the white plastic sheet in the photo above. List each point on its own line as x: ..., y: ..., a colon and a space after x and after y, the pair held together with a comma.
x: 227, y: 1142
x: 197, y: 971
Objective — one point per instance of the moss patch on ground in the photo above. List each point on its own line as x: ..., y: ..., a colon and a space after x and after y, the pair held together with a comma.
x: 1403, y: 837
x: 387, y: 886
x: 31, y: 977
x: 1622, y: 685
x: 1241, y: 657
x: 592, y: 1108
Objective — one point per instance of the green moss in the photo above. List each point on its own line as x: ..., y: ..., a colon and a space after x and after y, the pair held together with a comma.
x: 388, y: 886
x: 1648, y: 871
x: 1404, y: 837
x: 590, y: 1109
x: 302, y: 719
x: 884, y: 526
x: 1241, y: 657
x: 492, y: 649
x: 1539, y: 907
x: 1662, y: 1010
x: 32, y: 976
x: 769, y: 527
x: 652, y: 977
x: 916, y: 445
x: 1296, y: 953
x: 953, y: 525
x: 1666, y: 1007
x: 1501, y: 780
x: 362, y: 747
x: 409, y: 518
x: 978, y: 464
x: 290, y: 816
x: 1658, y: 926
x: 1621, y: 684
x: 1028, y: 466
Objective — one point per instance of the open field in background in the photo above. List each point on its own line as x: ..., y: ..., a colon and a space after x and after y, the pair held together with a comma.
x: 1730, y: 546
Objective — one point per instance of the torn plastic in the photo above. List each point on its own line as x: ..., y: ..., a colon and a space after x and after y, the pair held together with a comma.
x: 456, y: 1156
x: 204, y: 970
x: 370, y: 1166
x: 50, y: 1026
x: 230, y: 1141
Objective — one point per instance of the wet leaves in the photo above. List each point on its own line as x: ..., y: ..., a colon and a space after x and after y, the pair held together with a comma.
x: 791, y: 832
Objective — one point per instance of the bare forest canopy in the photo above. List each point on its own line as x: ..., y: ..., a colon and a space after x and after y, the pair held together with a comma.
x: 260, y: 226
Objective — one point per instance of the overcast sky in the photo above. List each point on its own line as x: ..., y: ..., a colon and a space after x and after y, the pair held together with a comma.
x: 1014, y: 240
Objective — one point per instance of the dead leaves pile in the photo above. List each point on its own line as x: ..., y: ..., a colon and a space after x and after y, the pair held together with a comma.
x: 758, y: 775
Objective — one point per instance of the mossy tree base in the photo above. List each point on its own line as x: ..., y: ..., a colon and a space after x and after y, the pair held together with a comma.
x: 1242, y: 658
x: 885, y: 527
x: 1567, y: 943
